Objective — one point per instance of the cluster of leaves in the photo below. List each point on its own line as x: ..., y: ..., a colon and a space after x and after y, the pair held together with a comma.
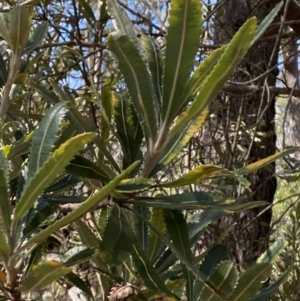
x: 143, y: 239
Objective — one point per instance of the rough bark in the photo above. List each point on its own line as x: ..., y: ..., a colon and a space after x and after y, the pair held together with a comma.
x: 243, y: 130
x: 291, y: 80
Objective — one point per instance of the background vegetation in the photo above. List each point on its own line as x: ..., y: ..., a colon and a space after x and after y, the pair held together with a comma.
x: 138, y: 149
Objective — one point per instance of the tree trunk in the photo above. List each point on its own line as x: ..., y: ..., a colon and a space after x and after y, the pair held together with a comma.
x: 242, y: 131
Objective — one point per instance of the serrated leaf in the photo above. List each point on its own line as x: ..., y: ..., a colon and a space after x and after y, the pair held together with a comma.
x: 202, y: 277
x: 5, y: 211
x: 76, y: 119
x: 138, y: 81
x: 250, y: 282
x: 154, y: 242
x: 203, y: 219
x: 44, y: 138
x: 123, y: 22
x: 233, y: 54
x: 81, y: 256
x: 85, y: 207
x: 178, y: 231
x: 224, y: 277
x: 19, y: 27
x: 84, y: 168
x: 177, y: 141
x: 263, y: 162
x: 149, y: 276
x: 135, y: 184
x: 155, y: 64
x: 200, y: 76
x: 266, y: 22
x: 197, y: 175
x: 48, y: 172
x: 129, y: 131
x: 43, y: 275
x: 36, y: 37
x: 62, y: 184
x: 118, y: 237
x: 182, y: 42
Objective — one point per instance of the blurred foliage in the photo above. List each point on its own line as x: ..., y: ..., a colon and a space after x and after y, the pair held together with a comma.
x: 96, y: 117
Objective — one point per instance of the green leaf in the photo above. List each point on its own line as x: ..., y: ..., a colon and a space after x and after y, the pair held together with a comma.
x: 141, y: 229
x: 43, y: 275
x: 106, y: 113
x: 135, y: 184
x: 250, y: 282
x: 44, y: 138
x: 3, y: 70
x: 177, y: 141
x: 36, y: 37
x: 76, y: 119
x: 266, y: 293
x: 48, y: 172
x: 81, y: 256
x: 228, y: 62
x: 4, y: 29
x: 214, y: 257
x: 5, y: 211
x: 84, y: 168
x: 129, y: 130
x: 19, y: 27
x: 264, y: 162
x: 197, y: 175
x: 88, y: 238
x: 178, y: 231
x: 271, y: 254
x: 200, y: 76
x: 266, y: 22
x: 182, y: 42
x: 199, y: 222
x: 224, y: 277
x: 155, y: 63
x: 78, y: 282
x: 138, y: 80
x: 150, y: 277
x: 84, y: 208
x: 190, y: 266
x: 87, y: 12
x: 154, y: 242
x: 118, y: 237
x: 123, y: 22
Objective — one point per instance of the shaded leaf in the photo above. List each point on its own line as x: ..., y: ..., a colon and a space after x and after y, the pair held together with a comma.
x: 43, y: 275
x: 178, y: 231
x: 266, y: 22
x: 5, y: 211
x: 84, y: 168
x: 251, y: 281
x: 36, y: 37
x: 85, y: 207
x: 224, y: 277
x: 138, y: 81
